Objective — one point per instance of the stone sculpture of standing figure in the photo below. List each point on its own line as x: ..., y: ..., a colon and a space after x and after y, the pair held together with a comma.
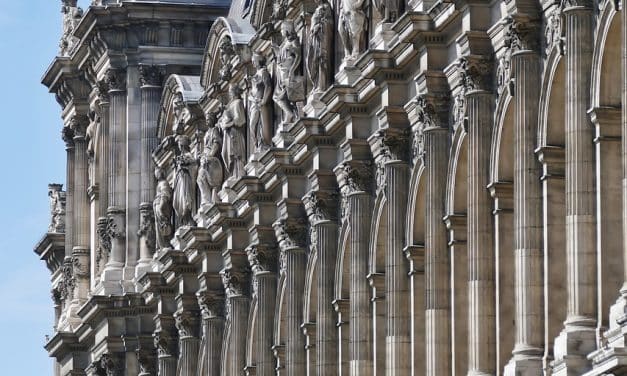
x: 162, y: 207
x: 184, y: 187
x: 232, y: 124
x: 320, y: 47
x: 388, y: 9
x: 351, y: 26
x: 261, y: 127
x: 289, y: 88
x: 211, y: 171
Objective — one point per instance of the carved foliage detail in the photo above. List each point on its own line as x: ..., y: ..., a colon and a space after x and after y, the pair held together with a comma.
x: 116, y: 79
x: 261, y: 258
x: 475, y: 73
x: 321, y: 206
x: 151, y: 75
x: 211, y: 304
x: 291, y: 232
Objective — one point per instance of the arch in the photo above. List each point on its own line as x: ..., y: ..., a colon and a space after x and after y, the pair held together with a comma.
x: 502, y: 149
x: 605, y: 88
x: 239, y: 31
x: 456, y: 189
x: 179, y: 99
x: 415, y: 226
x: 551, y: 125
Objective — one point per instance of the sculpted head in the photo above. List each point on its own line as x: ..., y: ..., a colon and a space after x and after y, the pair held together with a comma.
x: 259, y: 61
x: 183, y: 142
x: 287, y: 29
x: 159, y: 173
x: 234, y: 91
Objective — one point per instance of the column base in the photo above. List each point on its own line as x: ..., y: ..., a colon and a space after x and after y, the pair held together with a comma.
x: 571, y: 349
x: 523, y: 367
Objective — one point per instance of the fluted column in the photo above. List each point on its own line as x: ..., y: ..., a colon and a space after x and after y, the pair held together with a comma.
x: 116, y: 180
x: 237, y: 321
x: 391, y: 150
x: 150, y: 80
x: 212, y: 310
x: 262, y: 261
x: 293, y: 262
x: 578, y: 337
x: 166, y: 353
x: 475, y: 74
x: 80, y: 233
x: 187, y: 324
x: 356, y: 178
x: 523, y: 38
x: 68, y: 137
x: 432, y: 114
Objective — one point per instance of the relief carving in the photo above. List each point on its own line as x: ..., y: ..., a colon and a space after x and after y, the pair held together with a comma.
x: 232, y: 125
x: 290, y: 87
x: 352, y: 20
x: 146, y: 231
x: 320, y: 47
x: 211, y: 171
x: 104, y: 244
x: 321, y: 206
x: 184, y: 200
x: 57, y: 208
x: 475, y: 73
x: 162, y: 208
x: 227, y: 52
x: 151, y: 75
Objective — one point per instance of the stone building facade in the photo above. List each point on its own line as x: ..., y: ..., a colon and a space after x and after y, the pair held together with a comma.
x: 340, y: 187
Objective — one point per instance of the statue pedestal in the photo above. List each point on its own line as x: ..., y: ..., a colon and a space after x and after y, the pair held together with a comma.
x: 254, y: 167
x: 202, y: 216
x: 283, y: 138
x: 227, y: 194
x: 111, y: 279
x: 383, y: 37
x: 315, y: 107
x: 348, y: 73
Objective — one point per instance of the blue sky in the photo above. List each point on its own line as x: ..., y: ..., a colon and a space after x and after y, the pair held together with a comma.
x: 33, y: 155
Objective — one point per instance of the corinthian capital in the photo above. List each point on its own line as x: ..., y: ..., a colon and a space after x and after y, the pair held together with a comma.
x: 262, y: 258
x: 476, y: 73
x: 186, y: 323
x: 211, y: 304
x: 355, y: 176
x: 522, y: 33
x: 151, y: 75
x: 116, y: 80
x: 291, y: 232
x: 577, y: 3
x: 321, y: 206
x: 234, y: 282
x: 79, y: 124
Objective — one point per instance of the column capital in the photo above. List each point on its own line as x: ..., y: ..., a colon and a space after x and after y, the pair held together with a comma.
x: 568, y: 5
x: 291, y: 232
x: 67, y: 134
x: 211, y: 304
x: 165, y: 344
x: 321, y: 206
x: 115, y: 78
x: 355, y: 176
x: 234, y: 282
x: 475, y: 73
x: 151, y: 76
x: 522, y: 33
x: 102, y: 89
x: 79, y: 124
x: 262, y: 258
x: 186, y: 323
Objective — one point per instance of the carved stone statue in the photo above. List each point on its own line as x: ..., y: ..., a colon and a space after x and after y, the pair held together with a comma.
x: 261, y: 127
x: 351, y: 26
x: 72, y: 15
x: 184, y: 188
x: 57, y: 208
x: 162, y: 207
x: 320, y: 47
x: 388, y: 9
x: 211, y: 171
x: 227, y: 51
x: 232, y: 125
x: 290, y: 87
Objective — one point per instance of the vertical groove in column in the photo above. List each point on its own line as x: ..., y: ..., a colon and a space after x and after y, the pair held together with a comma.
x: 295, y: 289
x: 482, y: 324
x: 103, y: 158
x: 167, y: 366
x: 69, y: 199
x: 624, y: 143
x: 527, y: 208
x: 214, y: 330
x: 239, y: 324
x: 398, y: 346
x: 266, y: 297
x: 437, y: 264
x: 580, y: 167
x: 81, y: 201
x: 151, y: 97
x: 117, y: 150
x: 360, y: 338
x: 326, y: 331
x: 188, y: 359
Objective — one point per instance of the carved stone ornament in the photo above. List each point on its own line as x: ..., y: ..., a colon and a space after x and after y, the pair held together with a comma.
x: 110, y: 365
x: 151, y: 75
x: 320, y: 47
x: 290, y: 87
x: 79, y: 125
x: 162, y: 210
x: 184, y: 200
x: 211, y: 170
x: 261, y: 125
x: 459, y: 108
x: 104, y: 244
x: 211, y: 304
x: 232, y: 125
x: 227, y: 52
x: 357, y: 176
x: 165, y: 344
x: 476, y: 73
x: 504, y: 73
x: 57, y: 208
x: 521, y: 34
x: 67, y: 134
x: 146, y: 231
x: 187, y: 323
x: 69, y: 281
x: 388, y: 9
x: 351, y: 27
x: 279, y: 10
x: 72, y: 15
x: 261, y: 258
x: 321, y: 206
x: 116, y: 227
x: 554, y: 32
x: 116, y: 79
x: 81, y: 266
x: 577, y: 3
x: 291, y: 233
x: 56, y: 296
x: 103, y: 91
x: 147, y: 362
x: 394, y: 144
x: 232, y: 282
